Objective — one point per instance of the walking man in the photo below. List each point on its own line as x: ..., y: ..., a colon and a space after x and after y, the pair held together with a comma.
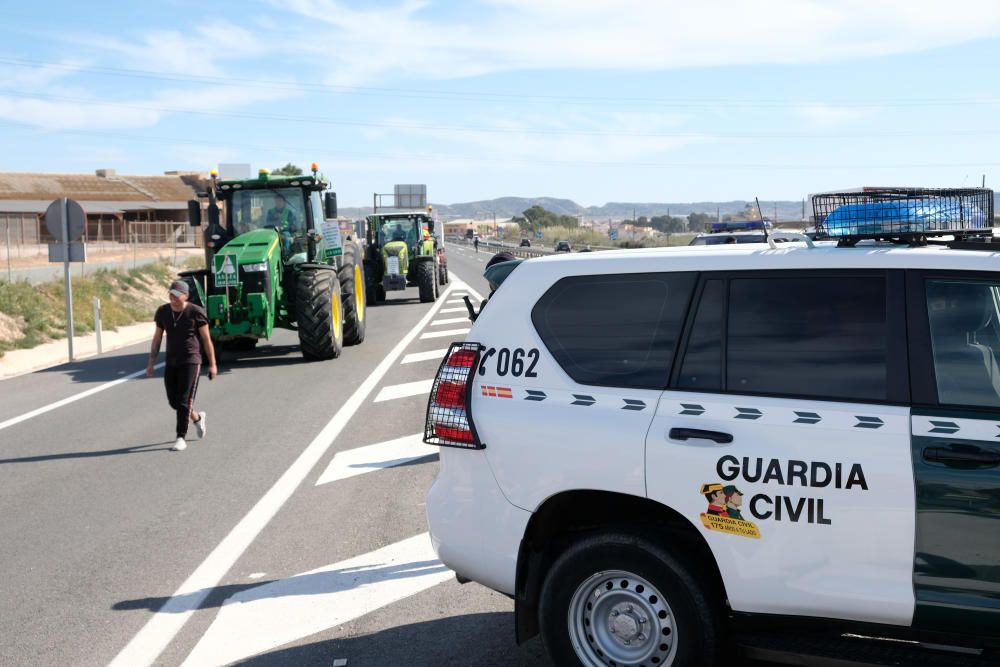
x: 187, y: 336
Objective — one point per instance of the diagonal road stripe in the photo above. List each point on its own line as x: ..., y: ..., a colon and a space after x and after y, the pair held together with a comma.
x: 391, y: 453
x: 444, y: 334
x: 265, y: 617
x: 424, y: 356
x: 394, y: 391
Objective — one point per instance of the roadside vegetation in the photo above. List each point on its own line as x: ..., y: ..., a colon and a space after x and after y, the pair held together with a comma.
x: 34, y: 314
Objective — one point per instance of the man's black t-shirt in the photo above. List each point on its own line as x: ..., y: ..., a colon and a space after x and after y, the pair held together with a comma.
x: 183, y: 344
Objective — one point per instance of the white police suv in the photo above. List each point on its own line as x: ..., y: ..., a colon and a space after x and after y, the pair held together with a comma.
x: 656, y: 451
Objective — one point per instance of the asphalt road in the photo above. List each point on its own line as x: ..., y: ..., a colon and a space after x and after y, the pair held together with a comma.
x: 254, y: 544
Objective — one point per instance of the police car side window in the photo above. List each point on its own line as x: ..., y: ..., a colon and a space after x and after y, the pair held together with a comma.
x: 965, y: 340
x: 615, y: 330
x: 701, y: 368
x: 817, y: 336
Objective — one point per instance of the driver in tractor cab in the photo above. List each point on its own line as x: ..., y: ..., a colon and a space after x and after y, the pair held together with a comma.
x: 398, y: 248
x: 282, y: 218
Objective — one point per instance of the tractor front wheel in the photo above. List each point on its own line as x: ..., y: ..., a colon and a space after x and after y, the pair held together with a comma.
x: 320, y: 314
x: 426, y: 280
x: 352, y: 282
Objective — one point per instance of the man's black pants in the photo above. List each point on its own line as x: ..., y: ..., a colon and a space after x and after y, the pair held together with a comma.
x: 182, y: 384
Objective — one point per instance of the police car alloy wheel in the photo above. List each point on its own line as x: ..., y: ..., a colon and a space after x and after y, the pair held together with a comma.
x: 620, y: 599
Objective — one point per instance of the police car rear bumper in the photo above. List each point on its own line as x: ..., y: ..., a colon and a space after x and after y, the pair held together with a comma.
x: 474, y: 529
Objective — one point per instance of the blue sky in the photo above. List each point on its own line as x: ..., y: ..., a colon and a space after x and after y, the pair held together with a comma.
x: 594, y: 101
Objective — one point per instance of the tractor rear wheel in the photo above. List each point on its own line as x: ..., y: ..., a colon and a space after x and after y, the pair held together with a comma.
x: 352, y: 282
x: 320, y: 314
x: 426, y: 280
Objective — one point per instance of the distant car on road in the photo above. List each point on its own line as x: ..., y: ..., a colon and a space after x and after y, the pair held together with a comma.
x: 562, y: 246
x: 525, y: 243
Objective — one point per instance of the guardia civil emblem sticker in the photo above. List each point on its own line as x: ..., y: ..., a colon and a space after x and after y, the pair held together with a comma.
x: 725, y: 511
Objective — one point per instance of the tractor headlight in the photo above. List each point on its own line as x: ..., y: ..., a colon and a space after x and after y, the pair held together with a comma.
x: 259, y: 266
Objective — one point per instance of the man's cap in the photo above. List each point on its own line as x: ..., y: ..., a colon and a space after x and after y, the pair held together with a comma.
x: 278, y: 195
x: 179, y: 288
x: 730, y: 490
x: 710, y: 488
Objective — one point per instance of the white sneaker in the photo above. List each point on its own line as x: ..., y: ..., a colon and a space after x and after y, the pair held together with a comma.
x: 180, y: 445
x: 200, y: 425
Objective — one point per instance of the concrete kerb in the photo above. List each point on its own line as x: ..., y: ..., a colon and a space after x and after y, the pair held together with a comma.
x: 21, y: 362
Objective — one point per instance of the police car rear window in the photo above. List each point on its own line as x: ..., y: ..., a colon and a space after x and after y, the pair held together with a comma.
x: 617, y: 330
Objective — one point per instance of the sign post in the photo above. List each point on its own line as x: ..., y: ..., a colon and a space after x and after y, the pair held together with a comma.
x: 66, y: 221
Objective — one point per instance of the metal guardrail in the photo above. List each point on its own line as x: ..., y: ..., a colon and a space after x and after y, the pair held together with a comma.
x: 516, y: 250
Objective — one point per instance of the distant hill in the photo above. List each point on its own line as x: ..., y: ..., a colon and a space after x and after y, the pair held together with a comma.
x: 506, y: 207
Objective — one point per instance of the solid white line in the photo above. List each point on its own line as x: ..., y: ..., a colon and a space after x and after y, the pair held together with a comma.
x: 395, y: 391
x: 455, y: 302
x: 262, y: 618
x: 454, y: 310
x: 76, y: 397
x: 424, y: 356
x: 444, y: 334
x: 361, y: 460
x: 164, y: 625
x: 448, y: 320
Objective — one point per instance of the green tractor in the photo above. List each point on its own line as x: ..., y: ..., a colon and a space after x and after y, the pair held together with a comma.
x: 403, y: 251
x: 279, y: 261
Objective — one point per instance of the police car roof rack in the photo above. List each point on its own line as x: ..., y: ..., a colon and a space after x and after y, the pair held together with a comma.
x: 903, y: 215
x: 781, y: 235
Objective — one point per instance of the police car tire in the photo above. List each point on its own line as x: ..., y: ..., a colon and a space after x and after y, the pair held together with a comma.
x: 426, y: 280
x: 697, y: 620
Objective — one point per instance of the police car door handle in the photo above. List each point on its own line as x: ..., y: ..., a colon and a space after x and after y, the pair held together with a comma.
x: 699, y: 434
x: 965, y: 456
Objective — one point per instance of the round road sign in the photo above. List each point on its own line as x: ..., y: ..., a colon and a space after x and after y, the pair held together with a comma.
x: 77, y: 220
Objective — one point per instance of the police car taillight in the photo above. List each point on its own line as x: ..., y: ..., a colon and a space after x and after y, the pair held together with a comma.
x: 449, y: 421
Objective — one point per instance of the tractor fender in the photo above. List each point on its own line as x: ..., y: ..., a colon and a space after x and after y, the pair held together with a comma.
x: 423, y: 258
x: 310, y: 266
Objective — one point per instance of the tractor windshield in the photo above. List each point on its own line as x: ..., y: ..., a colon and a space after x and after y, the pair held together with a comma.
x: 282, y: 209
x: 399, y: 229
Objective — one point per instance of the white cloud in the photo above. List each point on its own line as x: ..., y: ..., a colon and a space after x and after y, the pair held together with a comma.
x: 616, y: 137
x: 825, y: 116
x: 401, y: 41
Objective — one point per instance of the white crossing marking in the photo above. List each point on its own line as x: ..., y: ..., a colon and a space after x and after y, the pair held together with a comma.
x: 463, y: 309
x: 75, y: 397
x: 444, y: 334
x: 391, y: 453
x: 394, y: 391
x: 448, y: 320
x: 265, y: 617
x: 146, y: 646
x: 424, y: 356
x: 455, y: 302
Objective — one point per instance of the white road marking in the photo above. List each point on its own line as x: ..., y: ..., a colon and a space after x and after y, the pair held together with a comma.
x: 394, y: 391
x: 389, y: 454
x: 76, y: 397
x: 164, y: 625
x: 455, y: 302
x: 265, y: 617
x: 480, y: 259
x: 448, y: 320
x: 424, y: 356
x: 463, y: 309
x: 444, y: 334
